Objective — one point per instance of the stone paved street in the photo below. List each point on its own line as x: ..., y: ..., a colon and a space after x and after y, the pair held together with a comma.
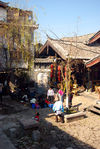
x: 80, y: 134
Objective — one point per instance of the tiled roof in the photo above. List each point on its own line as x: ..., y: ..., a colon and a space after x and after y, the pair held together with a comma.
x: 75, y: 47
x: 3, y: 4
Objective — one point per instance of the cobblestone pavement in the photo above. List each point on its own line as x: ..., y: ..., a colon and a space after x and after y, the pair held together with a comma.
x: 81, y: 134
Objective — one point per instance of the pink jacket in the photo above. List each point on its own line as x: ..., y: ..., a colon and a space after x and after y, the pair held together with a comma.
x: 60, y: 92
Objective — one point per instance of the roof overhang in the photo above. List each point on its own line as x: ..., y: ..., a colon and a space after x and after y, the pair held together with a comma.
x: 94, y: 38
x: 3, y: 4
x: 49, y: 44
x: 44, y: 60
x: 93, y: 61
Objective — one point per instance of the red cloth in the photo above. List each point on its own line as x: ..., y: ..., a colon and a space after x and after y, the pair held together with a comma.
x: 46, y: 101
x: 36, y: 118
x: 37, y: 106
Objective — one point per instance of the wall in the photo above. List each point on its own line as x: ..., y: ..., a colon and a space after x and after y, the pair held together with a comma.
x: 41, y: 77
x: 3, y: 14
x: 2, y: 59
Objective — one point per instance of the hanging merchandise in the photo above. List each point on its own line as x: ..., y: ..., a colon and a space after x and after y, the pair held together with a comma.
x: 51, y: 74
x: 59, y: 73
x: 65, y: 71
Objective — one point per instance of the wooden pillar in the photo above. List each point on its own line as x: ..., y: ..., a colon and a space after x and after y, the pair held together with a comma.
x: 56, y: 76
x: 89, y: 83
x: 47, y: 49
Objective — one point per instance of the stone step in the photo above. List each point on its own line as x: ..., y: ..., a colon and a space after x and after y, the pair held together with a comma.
x: 94, y: 110
x: 98, y: 102
x: 75, y: 116
x: 29, y: 123
x: 97, y: 106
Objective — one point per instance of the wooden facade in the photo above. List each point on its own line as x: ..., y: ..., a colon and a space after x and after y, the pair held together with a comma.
x: 93, y: 67
x: 16, y: 40
x: 79, y: 52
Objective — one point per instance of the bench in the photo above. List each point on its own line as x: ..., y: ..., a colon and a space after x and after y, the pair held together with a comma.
x: 76, y: 107
x: 75, y: 116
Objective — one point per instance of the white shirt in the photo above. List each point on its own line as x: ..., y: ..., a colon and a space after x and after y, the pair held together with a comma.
x: 50, y: 92
x: 33, y: 100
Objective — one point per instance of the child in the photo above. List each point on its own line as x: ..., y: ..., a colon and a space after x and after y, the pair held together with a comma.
x: 37, y: 116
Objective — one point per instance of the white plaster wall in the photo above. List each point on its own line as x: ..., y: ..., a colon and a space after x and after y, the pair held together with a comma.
x: 3, y: 14
x: 42, y: 76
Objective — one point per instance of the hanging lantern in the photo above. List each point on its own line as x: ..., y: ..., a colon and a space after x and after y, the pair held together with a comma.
x: 59, y: 73
x: 59, y: 68
x: 65, y: 71
x: 65, y: 74
x: 66, y: 68
x: 51, y: 74
x: 51, y: 66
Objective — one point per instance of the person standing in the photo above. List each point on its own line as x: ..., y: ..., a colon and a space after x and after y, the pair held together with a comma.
x: 98, y: 91
x: 50, y: 95
x: 60, y: 94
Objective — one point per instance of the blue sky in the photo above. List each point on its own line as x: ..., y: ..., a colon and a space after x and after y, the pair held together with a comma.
x: 63, y: 17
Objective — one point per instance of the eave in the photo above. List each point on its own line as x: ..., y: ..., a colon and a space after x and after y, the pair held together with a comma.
x: 47, y: 44
x: 43, y: 60
x: 93, y: 62
x: 94, y: 38
x: 3, y: 4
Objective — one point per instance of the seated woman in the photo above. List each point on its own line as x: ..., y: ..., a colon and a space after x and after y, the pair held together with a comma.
x: 58, y: 109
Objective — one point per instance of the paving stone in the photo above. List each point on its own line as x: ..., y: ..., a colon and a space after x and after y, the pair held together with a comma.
x: 29, y: 123
x: 8, y: 125
x: 12, y: 132
x: 53, y: 133
x: 5, y: 143
x: 54, y: 147
x: 2, y: 117
x: 69, y: 148
x: 36, y: 135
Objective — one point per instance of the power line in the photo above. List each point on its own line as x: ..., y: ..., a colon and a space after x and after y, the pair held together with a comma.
x: 63, y: 41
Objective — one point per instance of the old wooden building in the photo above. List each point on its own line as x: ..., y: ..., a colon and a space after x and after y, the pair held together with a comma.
x: 16, y: 38
x: 93, y: 67
x: 79, y: 49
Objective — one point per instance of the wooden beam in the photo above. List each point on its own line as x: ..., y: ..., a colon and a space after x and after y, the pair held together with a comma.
x: 93, y: 62
x: 75, y: 116
x: 47, y: 48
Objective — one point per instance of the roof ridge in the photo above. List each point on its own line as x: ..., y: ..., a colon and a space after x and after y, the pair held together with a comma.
x: 80, y: 35
x: 63, y: 38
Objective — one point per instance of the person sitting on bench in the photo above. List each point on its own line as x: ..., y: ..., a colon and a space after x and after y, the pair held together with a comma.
x: 58, y: 109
